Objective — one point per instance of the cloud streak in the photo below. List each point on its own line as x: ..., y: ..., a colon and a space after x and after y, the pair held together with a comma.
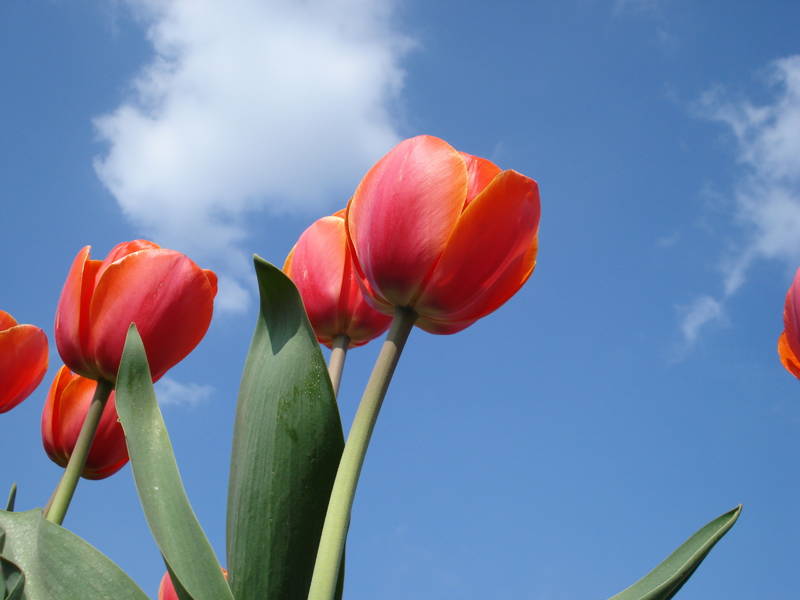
x: 249, y: 105
x: 767, y: 194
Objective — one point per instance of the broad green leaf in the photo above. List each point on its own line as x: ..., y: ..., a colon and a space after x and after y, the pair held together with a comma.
x: 286, y: 447
x: 172, y: 521
x: 58, y: 564
x: 666, y: 579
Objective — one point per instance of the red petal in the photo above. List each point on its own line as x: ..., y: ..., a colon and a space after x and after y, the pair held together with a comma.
x: 23, y: 349
x: 490, y: 255
x: 788, y: 358
x: 169, y: 298
x: 480, y: 173
x: 791, y: 315
x: 6, y: 320
x: 72, y: 315
x: 403, y: 212
x: 122, y: 250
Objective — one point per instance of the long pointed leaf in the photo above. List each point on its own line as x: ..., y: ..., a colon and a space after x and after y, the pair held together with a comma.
x: 286, y: 448
x: 172, y: 521
x: 57, y: 563
x: 667, y: 578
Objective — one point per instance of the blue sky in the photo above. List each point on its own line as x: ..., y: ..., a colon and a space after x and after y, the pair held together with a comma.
x: 555, y: 450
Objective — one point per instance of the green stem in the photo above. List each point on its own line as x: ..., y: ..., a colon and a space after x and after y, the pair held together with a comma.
x: 336, y: 362
x: 77, y: 461
x: 337, y: 519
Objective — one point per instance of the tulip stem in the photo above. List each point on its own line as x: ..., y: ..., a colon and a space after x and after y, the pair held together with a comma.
x: 77, y: 461
x: 337, y: 519
x: 336, y: 362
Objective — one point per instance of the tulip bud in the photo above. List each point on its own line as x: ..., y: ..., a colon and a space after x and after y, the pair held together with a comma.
x: 64, y: 412
x: 23, y: 360
x: 444, y: 233
x: 167, y: 295
x: 321, y: 266
x: 166, y: 591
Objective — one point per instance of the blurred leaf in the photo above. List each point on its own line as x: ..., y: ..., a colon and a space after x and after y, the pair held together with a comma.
x: 286, y: 448
x: 57, y: 564
x: 12, y: 497
x: 666, y: 579
x: 172, y: 521
x: 12, y: 581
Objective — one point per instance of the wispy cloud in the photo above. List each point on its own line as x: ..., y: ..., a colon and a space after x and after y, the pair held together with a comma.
x: 249, y: 105
x: 767, y: 194
x: 174, y: 393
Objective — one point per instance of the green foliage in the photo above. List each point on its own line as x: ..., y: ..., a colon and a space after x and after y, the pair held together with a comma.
x: 286, y: 449
x: 172, y: 521
x: 667, y: 578
x: 43, y: 561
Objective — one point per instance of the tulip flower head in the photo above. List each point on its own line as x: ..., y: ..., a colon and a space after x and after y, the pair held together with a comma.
x: 165, y: 293
x: 23, y: 360
x: 789, y: 340
x: 321, y: 266
x: 447, y: 234
x: 64, y: 412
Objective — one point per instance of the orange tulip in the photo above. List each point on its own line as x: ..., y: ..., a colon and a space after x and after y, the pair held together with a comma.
x: 64, y: 412
x: 23, y: 360
x: 321, y: 266
x: 789, y: 340
x: 450, y: 235
x: 167, y: 295
x: 166, y: 591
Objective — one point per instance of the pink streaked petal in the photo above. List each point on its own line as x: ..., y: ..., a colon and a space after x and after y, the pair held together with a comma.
x: 480, y: 173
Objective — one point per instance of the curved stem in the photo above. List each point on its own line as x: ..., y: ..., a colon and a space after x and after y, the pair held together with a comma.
x: 337, y: 519
x: 336, y: 362
x: 77, y: 461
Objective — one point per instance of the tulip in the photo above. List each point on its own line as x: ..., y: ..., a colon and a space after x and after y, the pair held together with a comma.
x: 23, y: 360
x: 445, y: 234
x: 321, y: 266
x: 167, y: 295
x: 166, y: 591
x: 64, y: 412
x: 789, y: 340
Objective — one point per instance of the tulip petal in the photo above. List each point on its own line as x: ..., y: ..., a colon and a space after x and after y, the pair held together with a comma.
x: 168, y: 297
x: 23, y: 349
x: 490, y: 255
x: 122, y: 250
x: 51, y: 417
x: 6, y: 320
x: 480, y: 173
x: 403, y: 213
x: 316, y: 265
x: 72, y: 316
x: 788, y: 357
x: 791, y: 315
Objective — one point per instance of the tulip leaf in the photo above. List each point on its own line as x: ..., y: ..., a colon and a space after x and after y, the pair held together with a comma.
x: 667, y: 578
x: 172, y: 521
x: 12, y: 497
x: 43, y: 561
x: 286, y: 448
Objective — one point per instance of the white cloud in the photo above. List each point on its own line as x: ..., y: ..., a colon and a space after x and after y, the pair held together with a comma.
x: 249, y: 105
x: 702, y: 311
x: 174, y: 393
x: 767, y: 194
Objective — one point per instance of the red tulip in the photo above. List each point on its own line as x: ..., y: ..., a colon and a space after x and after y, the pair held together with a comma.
x: 64, y: 412
x: 789, y: 341
x: 23, y: 360
x: 167, y: 295
x: 166, y: 591
x: 450, y: 235
x: 321, y: 266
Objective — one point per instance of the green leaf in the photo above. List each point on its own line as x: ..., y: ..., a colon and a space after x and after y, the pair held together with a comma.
x: 172, y: 521
x: 13, y: 580
x: 12, y: 497
x: 666, y: 579
x: 58, y: 564
x: 286, y: 448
